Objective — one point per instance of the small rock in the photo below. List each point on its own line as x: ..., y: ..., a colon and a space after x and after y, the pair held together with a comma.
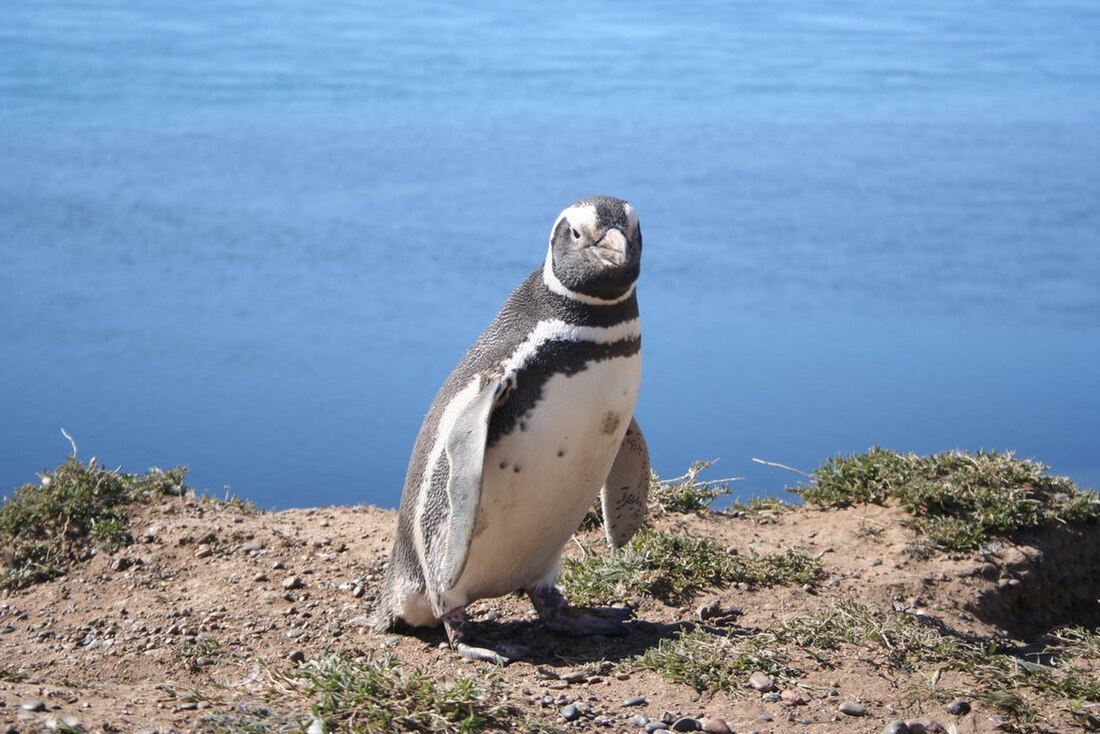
x: 959, y: 707
x: 278, y: 566
x: 716, y: 726
x: 260, y: 578
x: 997, y: 722
x: 293, y: 582
x: 761, y: 682
x: 250, y: 547
x: 851, y: 708
x: 574, y: 677
x: 204, y: 551
x: 639, y: 720
x: 33, y: 706
x: 121, y: 564
x: 656, y: 726
x: 296, y: 657
x: 685, y: 723
x: 635, y: 701
x: 896, y: 727
x: 793, y: 697
x: 570, y: 712
x: 770, y: 697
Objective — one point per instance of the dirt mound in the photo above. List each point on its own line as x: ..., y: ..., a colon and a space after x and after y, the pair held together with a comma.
x: 201, y: 623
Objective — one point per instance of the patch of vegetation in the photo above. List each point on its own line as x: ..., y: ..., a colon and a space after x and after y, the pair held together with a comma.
x: 755, y: 505
x: 959, y: 500
x: 710, y: 663
x: 673, y: 567
x: 12, y: 676
x: 384, y: 695
x: 686, y: 493
x: 197, y: 654
x: 74, y: 510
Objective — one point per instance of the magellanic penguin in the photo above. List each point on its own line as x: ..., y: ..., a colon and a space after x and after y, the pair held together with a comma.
x: 536, y: 418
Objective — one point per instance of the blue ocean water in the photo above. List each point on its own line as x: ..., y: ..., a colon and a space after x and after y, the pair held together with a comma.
x: 253, y: 238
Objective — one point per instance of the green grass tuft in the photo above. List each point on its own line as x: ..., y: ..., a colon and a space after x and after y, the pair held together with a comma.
x: 673, y: 567
x: 710, y: 663
x: 75, y: 509
x: 958, y: 500
x: 384, y: 695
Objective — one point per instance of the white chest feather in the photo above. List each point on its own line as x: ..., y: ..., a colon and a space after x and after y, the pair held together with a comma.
x: 540, y: 478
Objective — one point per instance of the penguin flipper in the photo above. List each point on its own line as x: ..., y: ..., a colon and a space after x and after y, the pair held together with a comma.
x: 626, y: 491
x: 465, y: 447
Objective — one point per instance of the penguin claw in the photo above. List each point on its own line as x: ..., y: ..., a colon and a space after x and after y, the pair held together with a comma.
x: 502, y: 656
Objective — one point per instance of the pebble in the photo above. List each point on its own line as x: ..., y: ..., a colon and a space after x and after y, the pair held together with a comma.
x: 575, y: 677
x: 204, y: 551
x: 852, y: 709
x: 635, y: 701
x: 770, y: 697
x: 685, y: 723
x: 716, y: 726
x: 293, y: 582
x: 793, y: 697
x: 296, y: 656
x: 570, y: 712
x: 896, y: 727
x: 249, y: 547
x: 278, y: 565
x: 33, y: 706
x: 656, y: 726
x: 639, y: 720
x: 761, y: 682
x: 959, y: 707
x: 120, y: 564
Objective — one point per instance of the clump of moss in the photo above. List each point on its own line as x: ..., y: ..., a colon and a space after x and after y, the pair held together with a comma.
x: 959, y: 500
x: 673, y: 567
x: 74, y: 510
x: 381, y: 694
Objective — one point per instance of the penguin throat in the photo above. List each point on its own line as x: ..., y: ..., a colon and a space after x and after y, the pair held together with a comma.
x: 550, y: 279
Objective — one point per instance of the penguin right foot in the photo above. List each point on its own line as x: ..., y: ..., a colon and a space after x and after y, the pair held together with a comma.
x: 502, y: 653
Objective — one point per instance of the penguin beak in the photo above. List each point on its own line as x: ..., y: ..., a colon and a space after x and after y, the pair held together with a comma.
x: 613, y: 249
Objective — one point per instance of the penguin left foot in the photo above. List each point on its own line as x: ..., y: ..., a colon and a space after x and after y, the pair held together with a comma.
x: 559, y: 615
x: 454, y: 622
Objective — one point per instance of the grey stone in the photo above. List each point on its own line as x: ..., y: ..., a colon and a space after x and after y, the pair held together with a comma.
x: 293, y: 582
x: 656, y: 726
x: 958, y: 707
x: 770, y: 697
x: 33, y: 706
x: 716, y: 726
x: 121, y: 564
x: 639, y: 720
x: 297, y: 656
x: 851, y: 708
x: 635, y: 701
x: 761, y: 682
x: 570, y: 712
x: 896, y: 727
x: 685, y: 723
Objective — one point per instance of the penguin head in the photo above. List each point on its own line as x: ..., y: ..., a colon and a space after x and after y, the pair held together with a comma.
x: 595, y: 250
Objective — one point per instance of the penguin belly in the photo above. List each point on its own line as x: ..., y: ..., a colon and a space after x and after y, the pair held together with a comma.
x: 540, y: 479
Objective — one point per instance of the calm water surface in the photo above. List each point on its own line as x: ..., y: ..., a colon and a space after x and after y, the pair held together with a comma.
x: 253, y: 238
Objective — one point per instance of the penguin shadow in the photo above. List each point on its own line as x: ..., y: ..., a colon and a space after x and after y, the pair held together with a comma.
x: 552, y: 648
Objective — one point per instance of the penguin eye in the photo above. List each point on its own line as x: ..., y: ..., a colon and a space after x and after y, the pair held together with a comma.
x: 575, y: 233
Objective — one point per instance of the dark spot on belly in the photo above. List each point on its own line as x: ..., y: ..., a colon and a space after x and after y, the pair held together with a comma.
x: 523, y: 425
x: 517, y: 469
x: 610, y: 422
x: 561, y: 453
x: 504, y: 465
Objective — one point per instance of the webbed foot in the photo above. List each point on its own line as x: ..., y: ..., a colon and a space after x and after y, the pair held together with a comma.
x: 557, y: 614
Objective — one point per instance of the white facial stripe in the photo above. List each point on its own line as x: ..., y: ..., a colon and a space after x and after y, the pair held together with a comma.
x: 556, y: 286
x: 631, y: 216
x: 558, y: 330
x: 582, y: 217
